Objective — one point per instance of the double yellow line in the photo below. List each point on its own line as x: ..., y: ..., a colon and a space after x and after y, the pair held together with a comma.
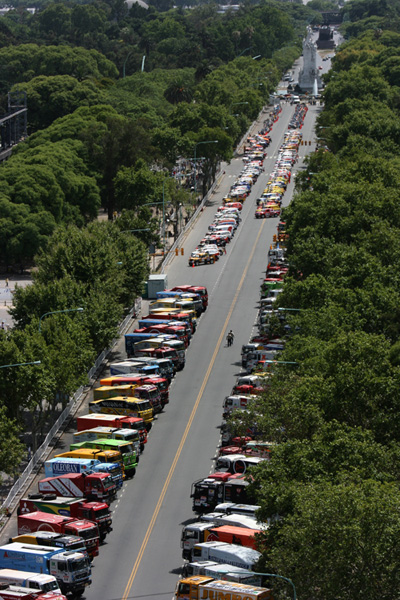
x: 190, y: 421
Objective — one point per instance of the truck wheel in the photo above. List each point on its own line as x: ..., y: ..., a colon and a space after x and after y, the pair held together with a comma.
x: 78, y: 593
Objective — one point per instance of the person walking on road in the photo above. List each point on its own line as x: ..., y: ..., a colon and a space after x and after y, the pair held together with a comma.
x: 6, y: 284
x: 229, y: 338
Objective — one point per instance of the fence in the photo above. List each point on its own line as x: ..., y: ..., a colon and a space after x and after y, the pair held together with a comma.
x: 72, y: 405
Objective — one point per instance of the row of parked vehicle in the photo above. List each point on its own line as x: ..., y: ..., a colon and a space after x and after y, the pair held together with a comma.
x: 221, y: 544
x: 60, y: 527
x: 225, y: 532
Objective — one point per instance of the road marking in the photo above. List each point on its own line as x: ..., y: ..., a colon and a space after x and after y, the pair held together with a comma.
x: 190, y: 421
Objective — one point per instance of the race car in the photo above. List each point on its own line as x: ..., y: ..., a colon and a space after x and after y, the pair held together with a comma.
x: 266, y: 212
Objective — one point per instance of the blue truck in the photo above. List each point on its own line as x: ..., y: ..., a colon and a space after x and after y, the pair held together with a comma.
x: 71, y: 569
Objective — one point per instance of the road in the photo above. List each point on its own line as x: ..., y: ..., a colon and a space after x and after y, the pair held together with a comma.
x: 142, y: 557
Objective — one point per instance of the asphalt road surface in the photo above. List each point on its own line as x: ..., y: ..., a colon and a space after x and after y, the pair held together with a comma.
x: 142, y: 556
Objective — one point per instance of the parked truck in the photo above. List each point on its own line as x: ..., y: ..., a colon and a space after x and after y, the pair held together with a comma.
x: 112, y: 433
x: 142, y: 391
x: 94, y: 486
x: 126, y: 451
x: 161, y: 383
x: 210, y: 568
x: 231, y: 554
x: 111, y: 460
x: 96, y: 512
x: 66, y: 465
x: 118, y: 422
x: 196, y: 533
x: 71, y: 569
x: 41, y: 521
x: 124, y: 406
x: 205, y: 588
x: 35, y: 582
x: 217, y: 488
x: 50, y: 538
x: 14, y: 592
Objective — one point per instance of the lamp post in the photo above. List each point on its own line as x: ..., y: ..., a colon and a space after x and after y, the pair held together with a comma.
x: 280, y: 362
x: 53, y: 312
x: 123, y: 66
x: 290, y: 309
x: 34, y: 362
x: 243, y: 51
x: 195, y: 165
x: 236, y: 104
x: 133, y: 230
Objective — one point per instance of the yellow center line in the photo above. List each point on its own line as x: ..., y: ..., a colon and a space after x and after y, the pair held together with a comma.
x: 190, y: 421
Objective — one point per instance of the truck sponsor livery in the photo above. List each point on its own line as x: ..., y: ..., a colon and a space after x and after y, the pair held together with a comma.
x: 124, y: 406
x: 71, y: 569
x: 98, y: 486
x: 49, y: 538
x: 125, y: 450
x: 35, y: 582
x: 200, y: 587
x: 111, y: 461
x: 73, y: 464
x: 195, y: 533
x: 117, y: 422
x: 96, y: 512
x: 41, y: 521
x: 14, y: 592
x: 112, y: 433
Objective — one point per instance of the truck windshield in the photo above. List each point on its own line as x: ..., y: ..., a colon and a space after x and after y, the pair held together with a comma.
x: 168, y: 353
x: 153, y: 395
x: 49, y: 586
x: 78, y: 564
x: 77, y: 546
x: 144, y: 405
x: 86, y: 534
x: 126, y: 449
x: 103, y: 512
x: 132, y: 436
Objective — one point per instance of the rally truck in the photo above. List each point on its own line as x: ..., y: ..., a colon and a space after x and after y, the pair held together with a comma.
x: 205, y: 588
x: 14, y: 592
x: 71, y: 569
x: 34, y: 582
x: 63, y: 465
x: 93, y: 486
x: 96, y: 512
x: 116, y: 421
x: 41, y: 521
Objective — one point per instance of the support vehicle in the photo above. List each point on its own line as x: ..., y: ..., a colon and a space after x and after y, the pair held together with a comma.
x: 98, y: 486
x: 217, y: 488
x: 112, y: 433
x: 107, y: 457
x: 50, y: 538
x: 206, y: 588
x: 35, y: 582
x: 78, y: 508
x: 210, y: 568
x: 118, y: 422
x: 124, y: 406
x: 14, y: 592
x: 65, y: 465
x: 41, y: 521
x: 196, y: 533
x: 126, y: 451
x: 71, y: 569
x: 222, y: 552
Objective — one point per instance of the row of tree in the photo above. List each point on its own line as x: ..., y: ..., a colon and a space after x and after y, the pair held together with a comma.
x: 334, y: 413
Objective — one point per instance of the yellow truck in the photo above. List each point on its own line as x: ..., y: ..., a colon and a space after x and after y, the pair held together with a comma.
x: 200, y: 587
x: 125, y: 406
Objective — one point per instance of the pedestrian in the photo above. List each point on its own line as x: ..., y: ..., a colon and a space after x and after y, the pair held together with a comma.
x: 225, y: 249
x: 3, y: 325
x: 229, y: 338
x: 7, y: 282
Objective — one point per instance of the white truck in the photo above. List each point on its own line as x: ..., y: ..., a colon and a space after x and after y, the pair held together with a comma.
x: 26, y: 579
x: 231, y: 554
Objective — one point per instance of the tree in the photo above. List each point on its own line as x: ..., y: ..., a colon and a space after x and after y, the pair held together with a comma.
x: 342, y: 532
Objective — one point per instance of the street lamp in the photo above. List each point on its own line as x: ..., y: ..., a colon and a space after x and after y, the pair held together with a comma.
x: 53, y: 312
x: 290, y: 309
x: 236, y: 104
x: 133, y: 230
x: 195, y: 165
x: 243, y: 51
x: 255, y: 57
x: 280, y: 362
x: 35, y: 362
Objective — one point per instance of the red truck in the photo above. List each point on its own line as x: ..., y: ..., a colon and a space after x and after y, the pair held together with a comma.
x: 119, y: 421
x: 94, y: 486
x: 171, y: 316
x: 160, y: 382
x: 78, y: 508
x: 30, y: 522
